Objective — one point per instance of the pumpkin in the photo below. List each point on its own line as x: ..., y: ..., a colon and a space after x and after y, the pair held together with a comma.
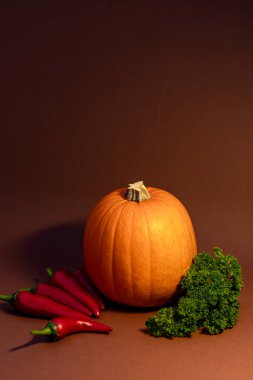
x: 138, y: 243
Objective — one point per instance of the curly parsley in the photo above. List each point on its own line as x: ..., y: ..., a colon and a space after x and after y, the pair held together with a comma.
x: 212, y: 286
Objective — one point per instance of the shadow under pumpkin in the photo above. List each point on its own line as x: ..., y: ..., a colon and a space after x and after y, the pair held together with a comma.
x: 58, y: 247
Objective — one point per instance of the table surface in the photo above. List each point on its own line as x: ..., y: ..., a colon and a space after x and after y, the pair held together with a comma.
x: 97, y: 95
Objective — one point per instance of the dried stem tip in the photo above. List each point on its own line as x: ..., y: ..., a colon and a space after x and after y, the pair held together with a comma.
x: 137, y: 192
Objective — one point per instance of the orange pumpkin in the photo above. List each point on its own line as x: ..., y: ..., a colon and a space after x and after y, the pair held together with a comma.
x: 138, y: 243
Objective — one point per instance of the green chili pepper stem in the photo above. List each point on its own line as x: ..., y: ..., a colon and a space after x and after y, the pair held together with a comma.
x: 12, y: 297
x: 31, y: 290
x: 7, y: 297
x: 49, y: 272
x: 46, y: 331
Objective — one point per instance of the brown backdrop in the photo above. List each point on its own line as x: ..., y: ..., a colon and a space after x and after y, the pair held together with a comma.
x: 96, y: 95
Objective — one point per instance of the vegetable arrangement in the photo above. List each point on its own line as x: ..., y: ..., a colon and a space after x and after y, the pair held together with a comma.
x: 139, y: 250
x: 212, y: 286
x: 66, y: 300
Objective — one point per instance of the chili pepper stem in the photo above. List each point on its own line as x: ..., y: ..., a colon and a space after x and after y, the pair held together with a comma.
x: 12, y: 297
x: 26, y: 290
x: 46, y: 331
x: 6, y: 297
x: 49, y: 272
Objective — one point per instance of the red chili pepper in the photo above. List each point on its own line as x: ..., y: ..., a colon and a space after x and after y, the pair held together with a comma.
x: 81, y: 276
x: 40, y: 306
x: 66, y: 281
x: 60, y: 327
x: 59, y: 295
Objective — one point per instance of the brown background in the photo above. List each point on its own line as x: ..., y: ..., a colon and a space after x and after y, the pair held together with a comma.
x: 96, y: 95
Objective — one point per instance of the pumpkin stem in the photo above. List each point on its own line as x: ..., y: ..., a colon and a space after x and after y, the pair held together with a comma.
x: 137, y: 192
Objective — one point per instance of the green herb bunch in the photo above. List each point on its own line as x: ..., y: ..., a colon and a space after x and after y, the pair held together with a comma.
x: 212, y: 286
